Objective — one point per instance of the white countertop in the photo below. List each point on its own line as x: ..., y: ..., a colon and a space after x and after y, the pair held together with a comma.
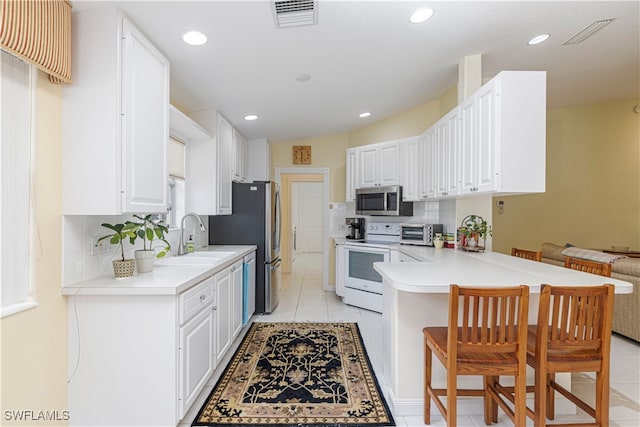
x: 166, y: 278
x: 442, y: 267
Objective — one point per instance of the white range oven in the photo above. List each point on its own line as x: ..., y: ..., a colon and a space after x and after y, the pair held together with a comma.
x: 363, y: 285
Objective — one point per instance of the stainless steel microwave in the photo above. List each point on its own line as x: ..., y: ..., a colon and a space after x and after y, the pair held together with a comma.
x: 386, y: 201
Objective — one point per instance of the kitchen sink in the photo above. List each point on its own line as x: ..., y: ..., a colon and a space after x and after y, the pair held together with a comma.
x: 187, y: 260
x: 210, y: 254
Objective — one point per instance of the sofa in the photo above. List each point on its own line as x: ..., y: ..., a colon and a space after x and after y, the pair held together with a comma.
x: 626, y: 313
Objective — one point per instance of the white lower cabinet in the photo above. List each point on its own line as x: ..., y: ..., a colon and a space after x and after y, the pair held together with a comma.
x: 228, y: 308
x: 196, y: 357
x: 223, y: 318
x: 144, y: 359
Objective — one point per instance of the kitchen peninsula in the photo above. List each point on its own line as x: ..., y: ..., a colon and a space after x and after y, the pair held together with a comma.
x: 416, y: 294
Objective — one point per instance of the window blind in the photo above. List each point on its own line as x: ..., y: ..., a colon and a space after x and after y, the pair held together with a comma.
x: 39, y: 32
x: 15, y: 183
x: 176, y: 158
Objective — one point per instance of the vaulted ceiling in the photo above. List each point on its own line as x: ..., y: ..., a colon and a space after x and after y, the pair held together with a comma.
x: 367, y: 56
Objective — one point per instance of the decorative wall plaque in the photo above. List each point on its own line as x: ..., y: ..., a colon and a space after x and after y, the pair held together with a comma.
x: 301, y: 154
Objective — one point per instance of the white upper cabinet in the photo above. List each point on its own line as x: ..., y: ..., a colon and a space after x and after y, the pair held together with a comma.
x: 115, y: 121
x: 411, y: 168
x: 379, y: 164
x: 352, y: 174
x: 240, y: 157
x: 225, y: 162
x: 428, y: 165
x: 503, y: 135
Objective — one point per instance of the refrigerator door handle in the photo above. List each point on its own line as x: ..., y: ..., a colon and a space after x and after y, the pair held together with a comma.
x: 278, y: 219
x: 275, y: 264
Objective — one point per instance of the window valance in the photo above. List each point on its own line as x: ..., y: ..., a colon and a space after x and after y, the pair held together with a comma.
x: 39, y: 32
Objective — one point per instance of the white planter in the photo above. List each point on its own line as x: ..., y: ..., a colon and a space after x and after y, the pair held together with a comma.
x: 145, y: 260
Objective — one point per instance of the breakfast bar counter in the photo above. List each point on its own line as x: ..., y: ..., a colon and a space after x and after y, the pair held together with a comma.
x: 416, y: 294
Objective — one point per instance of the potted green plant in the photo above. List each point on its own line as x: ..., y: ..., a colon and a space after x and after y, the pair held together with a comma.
x: 149, y: 229
x: 122, y: 268
x: 474, y: 228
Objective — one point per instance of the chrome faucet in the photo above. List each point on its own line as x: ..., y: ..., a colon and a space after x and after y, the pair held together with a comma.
x: 181, y: 247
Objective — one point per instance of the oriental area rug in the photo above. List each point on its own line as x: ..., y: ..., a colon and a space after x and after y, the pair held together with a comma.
x: 297, y: 374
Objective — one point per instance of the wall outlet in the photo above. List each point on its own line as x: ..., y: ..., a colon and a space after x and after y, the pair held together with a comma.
x: 100, y: 247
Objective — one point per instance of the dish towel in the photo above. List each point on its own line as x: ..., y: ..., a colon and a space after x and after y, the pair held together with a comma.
x: 591, y: 255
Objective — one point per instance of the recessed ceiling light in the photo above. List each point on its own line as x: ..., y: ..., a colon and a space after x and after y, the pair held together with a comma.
x: 421, y: 15
x: 303, y: 78
x: 194, y: 38
x: 538, y: 39
x: 363, y: 115
x: 250, y: 117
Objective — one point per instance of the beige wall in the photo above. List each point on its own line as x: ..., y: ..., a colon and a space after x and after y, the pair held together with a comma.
x: 329, y: 151
x: 34, y: 342
x: 593, y: 183
x: 326, y: 152
x: 409, y: 123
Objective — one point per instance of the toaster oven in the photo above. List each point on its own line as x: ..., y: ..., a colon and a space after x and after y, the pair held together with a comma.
x: 419, y: 234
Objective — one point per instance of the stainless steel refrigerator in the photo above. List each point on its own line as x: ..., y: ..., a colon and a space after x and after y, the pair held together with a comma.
x: 255, y: 220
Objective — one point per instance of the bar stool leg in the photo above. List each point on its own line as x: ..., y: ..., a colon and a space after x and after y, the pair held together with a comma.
x: 551, y: 397
x: 540, y: 396
x: 490, y: 406
x: 427, y: 383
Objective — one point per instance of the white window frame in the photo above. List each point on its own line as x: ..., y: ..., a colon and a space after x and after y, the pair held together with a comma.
x: 17, y: 224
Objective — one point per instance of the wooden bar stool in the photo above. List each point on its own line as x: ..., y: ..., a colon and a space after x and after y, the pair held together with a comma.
x: 573, y: 334
x: 486, y: 336
x: 600, y: 268
x: 523, y: 253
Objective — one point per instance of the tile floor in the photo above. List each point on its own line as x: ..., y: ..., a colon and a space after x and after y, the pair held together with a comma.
x: 303, y: 299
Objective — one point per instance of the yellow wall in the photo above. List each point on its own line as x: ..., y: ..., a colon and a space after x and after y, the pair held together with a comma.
x: 34, y: 342
x: 593, y: 183
x: 326, y: 152
x: 409, y: 123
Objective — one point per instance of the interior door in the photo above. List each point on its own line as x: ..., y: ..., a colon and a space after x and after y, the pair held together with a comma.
x: 307, y: 217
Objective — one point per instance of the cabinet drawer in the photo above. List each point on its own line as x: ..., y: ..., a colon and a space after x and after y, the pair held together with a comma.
x: 195, y: 299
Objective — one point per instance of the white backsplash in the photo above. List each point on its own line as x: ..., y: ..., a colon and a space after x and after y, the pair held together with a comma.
x: 79, y: 265
x: 427, y: 212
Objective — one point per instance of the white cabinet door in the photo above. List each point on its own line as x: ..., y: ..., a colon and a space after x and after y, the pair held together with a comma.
x: 429, y: 176
x: 223, y: 314
x: 352, y: 181
x: 441, y: 161
x: 225, y: 161
x: 447, y: 155
x: 452, y: 142
x: 368, y: 165
x: 389, y: 163
x: 379, y: 164
x: 240, y: 149
x: 196, y: 357
x: 487, y: 137
x: 469, y: 145
x: 236, y: 298
x: 145, y: 123
x: 411, y: 166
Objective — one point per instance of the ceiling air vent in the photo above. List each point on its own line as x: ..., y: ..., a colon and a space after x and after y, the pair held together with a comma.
x: 588, y: 31
x: 293, y: 13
